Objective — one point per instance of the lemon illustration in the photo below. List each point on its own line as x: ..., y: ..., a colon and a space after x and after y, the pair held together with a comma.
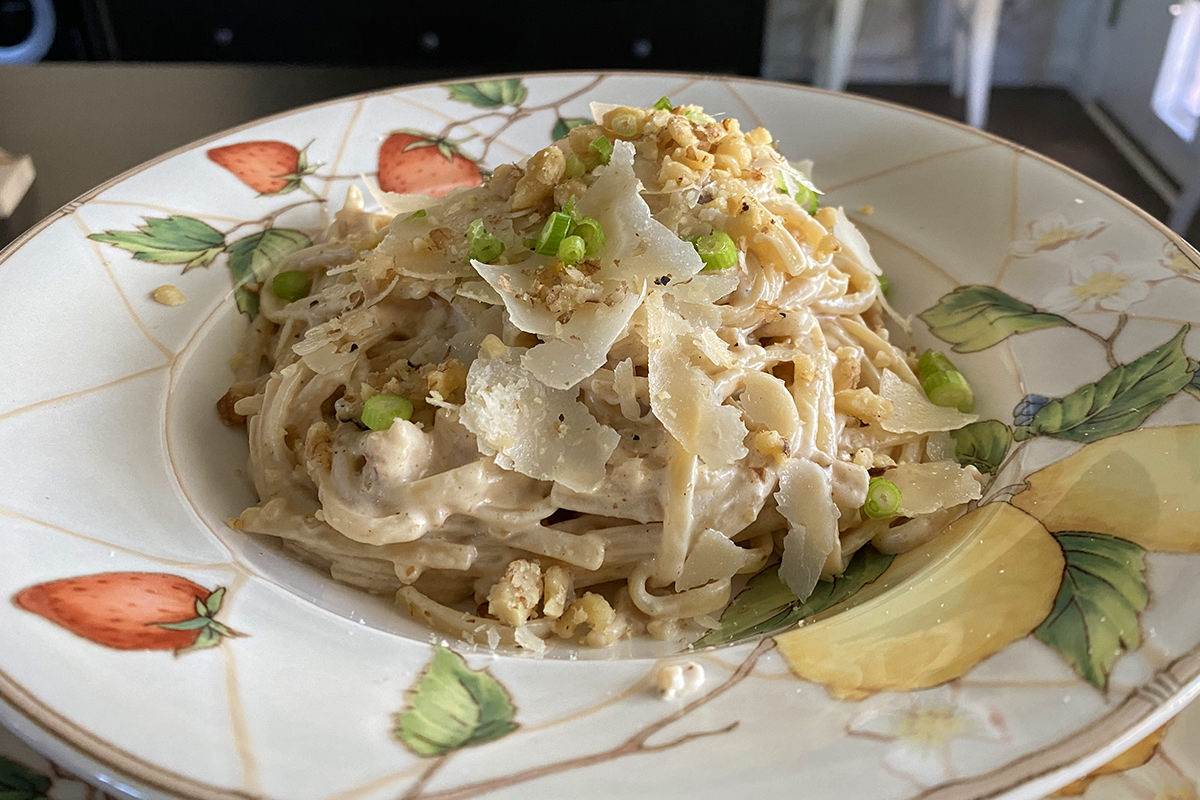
x: 985, y: 582
x: 1140, y: 486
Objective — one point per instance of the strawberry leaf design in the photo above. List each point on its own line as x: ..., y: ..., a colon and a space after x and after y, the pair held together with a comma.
x: 254, y: 257
x: 452, y: 706
x: 489, y: 94
x: 169, y: 240
x: 766, y: 605
x: 18, y: 782
x: 564, y: 125
x: 1120, y: 401
x: 974, y: 318
x: 210, y: 632
x: 1095, y: 615
x: 982, y: 444
x: 1193, y: 387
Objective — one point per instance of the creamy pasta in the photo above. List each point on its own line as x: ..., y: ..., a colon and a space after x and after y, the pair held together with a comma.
x: 600, y: 444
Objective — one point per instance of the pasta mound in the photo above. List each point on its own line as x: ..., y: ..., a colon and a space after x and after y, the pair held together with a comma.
x: 596, y: 449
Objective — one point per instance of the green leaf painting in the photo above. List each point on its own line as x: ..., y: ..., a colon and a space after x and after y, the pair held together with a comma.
x: 976, y: 317
x: 18, y: 782
x: 453, y: 706
x: 169, y: 240
x: 766, y: 605
x: 1193, y: 387
x: 982, y: 444
x: 1095, y: 615
x: 1118, y: 402
x: 253, y: 258
x: 489, y: 94
x: 564, y: 125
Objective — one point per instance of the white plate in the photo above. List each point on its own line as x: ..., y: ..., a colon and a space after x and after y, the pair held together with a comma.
x: 964, y: 671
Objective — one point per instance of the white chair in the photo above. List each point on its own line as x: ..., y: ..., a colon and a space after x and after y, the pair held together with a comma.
x: 975, y: 26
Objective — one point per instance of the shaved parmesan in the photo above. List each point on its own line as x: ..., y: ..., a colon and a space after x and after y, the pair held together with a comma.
x: 683, y: 397
x: 515, y: 285
x: 912, y: 412
x: 533, y: 429
x: 805, y: 499
x: 713, y: 557
x: 582, y: 344
x: 937, y: 484
x: 638, y: 248
x: 766, y: 401
x: 854, y: 242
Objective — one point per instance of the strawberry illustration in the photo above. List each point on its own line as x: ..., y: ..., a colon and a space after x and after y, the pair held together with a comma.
x: 132, y: 610
x: 267, y: 167
x: 411, y: 161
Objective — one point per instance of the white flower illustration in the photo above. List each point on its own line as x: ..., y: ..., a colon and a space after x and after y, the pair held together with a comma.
x: 921, y: 729
x: 1100, y: 282
x: 1052, y: 231
x: 1173, y: 259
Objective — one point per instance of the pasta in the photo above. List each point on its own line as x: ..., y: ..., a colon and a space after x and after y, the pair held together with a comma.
x: 599, y: 442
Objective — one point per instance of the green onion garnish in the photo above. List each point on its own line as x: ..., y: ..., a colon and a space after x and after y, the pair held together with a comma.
x: 381, y: 410
x: 602, y: 147
x: 420, y: 212
x: 781, y: 183
x: 571, y: 250
x: 588, y: 229
x: 884, y: 284
x: 807, y: 199
x: 483, y: 246
x: 575, y: 167
x: 664, y: 103
x: 624, y: 124
x: 569, y: 207
x: 291, y: 285
x: 716, y: 250
x: 932, y: 362
x: 696, y: 114
x: 557, y: 226
x: 883, y: 499
x: 949, y: 389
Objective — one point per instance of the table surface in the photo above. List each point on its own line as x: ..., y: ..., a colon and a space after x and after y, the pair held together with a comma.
x: 85, y: 123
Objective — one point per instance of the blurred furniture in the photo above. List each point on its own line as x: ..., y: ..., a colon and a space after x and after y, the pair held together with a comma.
x: 975, y: 26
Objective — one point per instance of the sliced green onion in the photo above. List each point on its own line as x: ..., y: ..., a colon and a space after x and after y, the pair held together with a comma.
x: 483, y: 246
x: 664, y: 103
x: 781, y: 185
x: 420, y: 212
x: 884, y: 284
x: 569, y: 207
x: 624, y: 124
x: 932, y: 362
x: 716, y: 250
x: 291, y: 285
x: 807, y: 198
x: 883, y: 499
x: 381, y: 410
x: 602, y: 147
x: 696, y: 114
x: 588, y: 229
x: 556, y: 227
x: 575, y: 167
x: 571, y: 250
x: 949, y: 389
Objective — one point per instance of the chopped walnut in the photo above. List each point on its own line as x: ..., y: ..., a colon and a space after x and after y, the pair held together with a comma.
x: 557, y: 592
x: 225, y: 406
x: 514, y: 598
x: 595, y: 612
x: 862, y: 404
x: 447, y: 381
x: 542, y: 173
x: 847, y: 371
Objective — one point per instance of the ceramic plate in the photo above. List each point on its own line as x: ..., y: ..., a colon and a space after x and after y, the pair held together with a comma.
x: 1049, y: 629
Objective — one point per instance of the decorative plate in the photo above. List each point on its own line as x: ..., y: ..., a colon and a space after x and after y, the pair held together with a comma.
x: 1049, y: 630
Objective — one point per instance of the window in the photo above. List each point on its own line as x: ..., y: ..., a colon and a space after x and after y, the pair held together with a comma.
x: 1177, y: 92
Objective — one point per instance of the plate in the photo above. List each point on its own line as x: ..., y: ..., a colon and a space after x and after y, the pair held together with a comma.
x: 1043, y: 634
